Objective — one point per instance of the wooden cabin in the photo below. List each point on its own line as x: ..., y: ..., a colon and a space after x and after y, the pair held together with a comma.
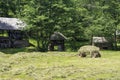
x: 57, y: 42
x: 102, y: 42
x: 11, y: 33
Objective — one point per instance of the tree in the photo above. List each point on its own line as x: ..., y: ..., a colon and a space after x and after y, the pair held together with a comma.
x: 48, y: 16
x: 77, y: 19
x: 103, y: 17
x: 11, y: 8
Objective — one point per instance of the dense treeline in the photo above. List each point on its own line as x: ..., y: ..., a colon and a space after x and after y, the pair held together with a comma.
x: 76, y: 19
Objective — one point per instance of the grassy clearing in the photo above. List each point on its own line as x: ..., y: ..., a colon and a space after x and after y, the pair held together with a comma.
x: 59, y: 66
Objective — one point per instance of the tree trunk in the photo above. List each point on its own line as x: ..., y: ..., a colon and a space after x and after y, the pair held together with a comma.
x: 115, y: 41
x: 38, y: 40
x: 91, y: 41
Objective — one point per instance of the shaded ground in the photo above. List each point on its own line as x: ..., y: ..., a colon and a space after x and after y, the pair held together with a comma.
x: 17, y: 50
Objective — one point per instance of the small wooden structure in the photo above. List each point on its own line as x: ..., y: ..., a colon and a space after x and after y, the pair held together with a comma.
x: 11, y: 34
x: 57, y: 42
x: 118, y: 36
x: 102, y: 42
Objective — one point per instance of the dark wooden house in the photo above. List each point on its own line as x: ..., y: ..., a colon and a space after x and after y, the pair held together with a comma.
x: 11, y: 33
x: 103, y: 42
x: 57, y: 42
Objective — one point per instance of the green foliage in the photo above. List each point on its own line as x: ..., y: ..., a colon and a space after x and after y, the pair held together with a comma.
x: 49, y: 16
x: 77, y: 19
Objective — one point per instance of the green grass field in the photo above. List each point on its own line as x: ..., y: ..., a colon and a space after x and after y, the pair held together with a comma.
x: 59, y: 66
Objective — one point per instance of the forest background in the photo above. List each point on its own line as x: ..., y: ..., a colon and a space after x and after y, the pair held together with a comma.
x: 78, y: 20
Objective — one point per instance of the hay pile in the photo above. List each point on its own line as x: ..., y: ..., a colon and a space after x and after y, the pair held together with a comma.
x: 89, y: 50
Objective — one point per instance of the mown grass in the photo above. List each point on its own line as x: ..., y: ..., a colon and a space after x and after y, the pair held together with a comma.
x: 59, y: 66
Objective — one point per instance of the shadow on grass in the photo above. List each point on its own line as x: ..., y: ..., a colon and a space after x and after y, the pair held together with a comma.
x: 16, y: 50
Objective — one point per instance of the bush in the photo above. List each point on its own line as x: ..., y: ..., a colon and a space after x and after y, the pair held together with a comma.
x: 89, y: 50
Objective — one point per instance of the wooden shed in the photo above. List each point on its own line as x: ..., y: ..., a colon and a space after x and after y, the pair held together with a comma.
x: 102, y: 42
x: 11, y: 33
x: 57, y: 42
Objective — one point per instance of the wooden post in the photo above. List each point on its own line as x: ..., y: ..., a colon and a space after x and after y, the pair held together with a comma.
x: 115, y: 40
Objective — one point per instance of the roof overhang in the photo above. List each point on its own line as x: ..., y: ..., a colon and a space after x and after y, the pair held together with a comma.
x: 11, y: 24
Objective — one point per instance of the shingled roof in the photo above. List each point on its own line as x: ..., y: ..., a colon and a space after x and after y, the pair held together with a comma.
x: 11, y: 24
x: 99, y: 40
x: 57, y: 36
